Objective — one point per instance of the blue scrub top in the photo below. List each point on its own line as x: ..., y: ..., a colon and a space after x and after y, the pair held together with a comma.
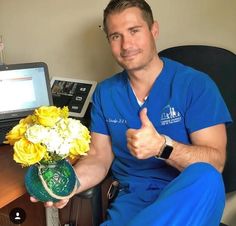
x: 181, y: 101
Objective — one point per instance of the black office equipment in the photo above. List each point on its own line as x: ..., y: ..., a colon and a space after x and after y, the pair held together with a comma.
x: 23, y: 88
x: 74, y: 93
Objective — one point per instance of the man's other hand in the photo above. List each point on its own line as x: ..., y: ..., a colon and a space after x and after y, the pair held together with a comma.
x: 62, y: 203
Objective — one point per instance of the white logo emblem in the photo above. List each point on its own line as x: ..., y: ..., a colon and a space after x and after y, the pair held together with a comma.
x: 170, y: 116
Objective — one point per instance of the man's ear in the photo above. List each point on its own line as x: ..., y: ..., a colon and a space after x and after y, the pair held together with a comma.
x: 155, y: 29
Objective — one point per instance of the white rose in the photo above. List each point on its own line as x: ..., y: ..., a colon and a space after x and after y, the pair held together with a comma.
x: 75, y: 128
x: 53, y: 141
x: 36, y: 133
x: 63, y: 149
x: 69, y: 128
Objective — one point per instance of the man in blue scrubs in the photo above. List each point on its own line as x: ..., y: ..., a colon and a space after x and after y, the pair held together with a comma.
x: 159, y: 126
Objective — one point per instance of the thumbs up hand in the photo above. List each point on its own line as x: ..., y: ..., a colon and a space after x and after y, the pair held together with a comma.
x: 145, y: 142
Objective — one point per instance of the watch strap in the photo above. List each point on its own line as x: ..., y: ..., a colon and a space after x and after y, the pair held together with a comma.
x: 167, y: 148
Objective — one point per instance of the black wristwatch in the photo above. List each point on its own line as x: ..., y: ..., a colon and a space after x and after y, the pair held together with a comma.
x: 166, y: 149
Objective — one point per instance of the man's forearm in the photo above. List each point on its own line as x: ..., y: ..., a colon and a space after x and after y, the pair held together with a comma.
x: 90, y: 173
x: 184, y: 155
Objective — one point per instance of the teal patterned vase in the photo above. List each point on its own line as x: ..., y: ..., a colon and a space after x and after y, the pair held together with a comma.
x: 51, y: 182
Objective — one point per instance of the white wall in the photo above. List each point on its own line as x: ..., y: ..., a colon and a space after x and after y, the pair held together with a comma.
x: 66, y: 34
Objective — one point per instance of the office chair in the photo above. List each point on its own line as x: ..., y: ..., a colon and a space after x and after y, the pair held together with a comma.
x: 94, y: 197
x: 220, y: 64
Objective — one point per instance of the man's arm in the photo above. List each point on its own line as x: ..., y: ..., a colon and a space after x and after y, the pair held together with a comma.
x: 208, y: 145
x: 91, y: 169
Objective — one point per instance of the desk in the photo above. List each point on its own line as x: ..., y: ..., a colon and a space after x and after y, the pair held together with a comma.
x: 12, y: 190
x: 11, y: 177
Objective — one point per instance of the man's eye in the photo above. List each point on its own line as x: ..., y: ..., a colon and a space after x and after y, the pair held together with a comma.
x: 114, y: 37
x: 133, y: 31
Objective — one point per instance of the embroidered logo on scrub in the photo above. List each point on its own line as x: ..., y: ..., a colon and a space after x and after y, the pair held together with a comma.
x: 116, y: 121
x: 170, y: 115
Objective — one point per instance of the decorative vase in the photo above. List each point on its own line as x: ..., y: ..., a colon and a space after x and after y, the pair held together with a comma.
x: 51, y: 182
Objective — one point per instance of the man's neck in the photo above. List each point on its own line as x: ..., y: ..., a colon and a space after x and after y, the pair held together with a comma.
x: 142, y: 80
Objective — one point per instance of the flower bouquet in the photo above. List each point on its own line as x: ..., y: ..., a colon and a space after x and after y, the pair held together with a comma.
x: 43, y: 141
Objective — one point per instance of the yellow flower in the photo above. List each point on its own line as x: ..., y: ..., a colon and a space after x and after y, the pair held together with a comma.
x: 27, y: 153
x: 18, y: 131
x: 15, y: 134
x: 79, y: 147
x: 65, y: 112
x: 49, y: 116
x: 47, y: 158
x: 48, y: 136
x: 28, y: 120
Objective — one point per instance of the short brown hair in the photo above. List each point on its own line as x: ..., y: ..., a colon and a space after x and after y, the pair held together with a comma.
x: 120, y: 5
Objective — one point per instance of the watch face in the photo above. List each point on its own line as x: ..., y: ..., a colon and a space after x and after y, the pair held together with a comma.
x: 166, y: 152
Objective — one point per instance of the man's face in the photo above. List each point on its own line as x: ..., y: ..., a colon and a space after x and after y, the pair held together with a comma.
x: 132, y: 42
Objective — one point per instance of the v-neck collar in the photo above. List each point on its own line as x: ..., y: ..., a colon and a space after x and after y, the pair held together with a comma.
x: 126, y: 103
x: 133, y: 98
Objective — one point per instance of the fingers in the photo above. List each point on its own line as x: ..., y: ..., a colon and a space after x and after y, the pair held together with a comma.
x: 144, y: 118
x: 59, y: 205
x: 32, y: 199
x: 134, y: 135
x: 144, y: 142
x: 62, y: 203
x: 49, y: 204
x: 46, y: 204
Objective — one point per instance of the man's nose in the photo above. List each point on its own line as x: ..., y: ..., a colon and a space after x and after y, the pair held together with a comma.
x: 126, y: 42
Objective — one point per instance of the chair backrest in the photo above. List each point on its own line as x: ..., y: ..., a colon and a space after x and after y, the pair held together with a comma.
x: 220, y: 64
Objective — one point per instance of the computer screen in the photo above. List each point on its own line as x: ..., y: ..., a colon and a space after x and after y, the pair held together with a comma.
x: 23, y: 87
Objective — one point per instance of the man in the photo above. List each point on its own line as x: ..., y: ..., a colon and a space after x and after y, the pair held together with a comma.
x: 160, y: 126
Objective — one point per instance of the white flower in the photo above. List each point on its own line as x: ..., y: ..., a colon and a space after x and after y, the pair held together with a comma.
x: 70, y: 128
x: 36, y: 133
x: 47, y: 136
x: 64, y: 148
x: 58, y: 138
x: 53, y: 141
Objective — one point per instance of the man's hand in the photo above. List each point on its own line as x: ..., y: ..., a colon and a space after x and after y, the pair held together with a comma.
x: 145, y: 142
x: 62, y: 203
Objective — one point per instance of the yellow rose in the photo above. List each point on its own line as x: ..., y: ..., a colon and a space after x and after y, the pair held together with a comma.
x: 79, y: 147
x: 47, y: 116
x: 18, y: 131
x: 15, y: 134
x: 28, y: 153
x: 65, y: 112
x: 28, y: 120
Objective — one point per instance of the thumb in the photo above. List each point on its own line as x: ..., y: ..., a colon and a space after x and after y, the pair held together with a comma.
x: 144, y: 118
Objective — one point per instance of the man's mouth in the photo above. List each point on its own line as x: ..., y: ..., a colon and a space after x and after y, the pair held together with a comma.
x: 129, y: 54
